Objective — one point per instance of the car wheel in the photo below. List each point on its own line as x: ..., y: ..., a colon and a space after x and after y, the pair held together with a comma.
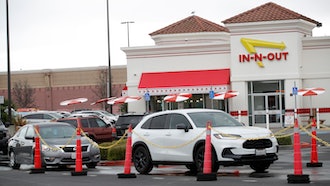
x: 199, y: 160
x: 142, y: 160
x: 12, y: 161
x: 91, y: 165
x: 260, y: 166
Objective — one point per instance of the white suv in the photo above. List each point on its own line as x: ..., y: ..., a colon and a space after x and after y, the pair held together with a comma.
x: 177, y: 137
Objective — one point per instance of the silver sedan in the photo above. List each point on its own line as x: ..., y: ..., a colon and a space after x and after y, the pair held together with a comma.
x: 57, y: 144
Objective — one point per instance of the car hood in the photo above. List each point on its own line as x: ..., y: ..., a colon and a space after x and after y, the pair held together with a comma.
x: 64, y: 141
x: 245, y: 132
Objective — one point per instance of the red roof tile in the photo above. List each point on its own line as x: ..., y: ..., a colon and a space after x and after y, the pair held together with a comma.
x: 191, y: 24
x: 268, y: 12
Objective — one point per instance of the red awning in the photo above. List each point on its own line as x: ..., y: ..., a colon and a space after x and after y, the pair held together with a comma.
x: 199, y: 81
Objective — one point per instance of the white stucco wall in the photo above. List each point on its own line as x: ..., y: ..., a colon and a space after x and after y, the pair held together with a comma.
x: 306, y: 63
x: 172, y: 58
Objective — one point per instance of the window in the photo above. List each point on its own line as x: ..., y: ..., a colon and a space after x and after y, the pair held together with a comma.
x: 158, y: 122
x: 22, y: 132
x: 34, y: 116
x: 146, y: 124
x: 46, y: 116
x: 93, y: 123
x: 216, y: 119
x: 30, y: 132
x: 84, y: 123
x: 176, y: 119
x: 72, y: 122
x: 100, y: 123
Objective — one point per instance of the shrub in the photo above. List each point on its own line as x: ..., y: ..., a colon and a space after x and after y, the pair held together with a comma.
x: 115, y: 152
x: 284, y: 140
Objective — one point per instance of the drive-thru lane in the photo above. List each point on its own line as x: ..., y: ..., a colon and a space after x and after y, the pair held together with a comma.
x: 174, y: 175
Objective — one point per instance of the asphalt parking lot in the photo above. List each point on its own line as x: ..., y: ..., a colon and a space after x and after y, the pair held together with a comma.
x: 276, y: 174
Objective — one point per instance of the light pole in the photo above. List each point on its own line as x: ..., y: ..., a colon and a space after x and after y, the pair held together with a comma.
x: 8, y: 65
x: 109, y: 59
x: 127, y: 23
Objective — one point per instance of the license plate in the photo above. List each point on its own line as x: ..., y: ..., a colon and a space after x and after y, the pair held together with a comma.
x: 260, y: 152
x: 73, y: 155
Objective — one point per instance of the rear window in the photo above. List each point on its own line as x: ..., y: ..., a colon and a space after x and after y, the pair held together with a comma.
x: 127, y: 120
x: 33, y: 116
x: 70, y: 121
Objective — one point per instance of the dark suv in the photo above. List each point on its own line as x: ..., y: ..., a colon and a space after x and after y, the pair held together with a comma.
x: 4, y: 136
x: 125, y: 120
x: 93, y: 126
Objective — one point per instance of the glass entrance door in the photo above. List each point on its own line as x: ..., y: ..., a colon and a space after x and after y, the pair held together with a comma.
x: 267, y: 110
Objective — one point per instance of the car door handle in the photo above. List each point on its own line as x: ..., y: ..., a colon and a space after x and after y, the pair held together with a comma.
x: 146, y: 134
x: 168, y: 134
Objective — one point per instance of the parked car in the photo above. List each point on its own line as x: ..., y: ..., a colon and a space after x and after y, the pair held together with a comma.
x: 4, y: 136
x: 57, y: 147
x: 125, y: 120
x: 93, y: 126
x: 41, y: 116
x: 175, y: 137
x: 106, y: 116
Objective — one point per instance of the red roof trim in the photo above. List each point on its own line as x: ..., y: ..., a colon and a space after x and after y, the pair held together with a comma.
x: 185, y: 78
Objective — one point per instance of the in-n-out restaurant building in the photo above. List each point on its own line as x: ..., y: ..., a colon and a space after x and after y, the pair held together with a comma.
x: 261, y: 53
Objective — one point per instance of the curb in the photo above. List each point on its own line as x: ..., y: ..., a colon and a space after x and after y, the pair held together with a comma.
x: 112, y: 163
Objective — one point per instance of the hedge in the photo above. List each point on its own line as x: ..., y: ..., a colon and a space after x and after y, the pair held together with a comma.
x: 116, y: 152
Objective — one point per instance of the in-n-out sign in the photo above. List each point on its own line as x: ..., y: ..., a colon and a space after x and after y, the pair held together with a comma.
x: 251, y: 44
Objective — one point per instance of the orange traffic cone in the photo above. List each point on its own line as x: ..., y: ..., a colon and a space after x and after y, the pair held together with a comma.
x: 298, y: 176
x: 78, y: 169
x: 128, y: 157
x: 207, y: 174
x: 314, y: 157
x: 37, y: 154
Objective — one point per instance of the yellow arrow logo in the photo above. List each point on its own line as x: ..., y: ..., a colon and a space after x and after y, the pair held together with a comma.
x: 250, y: 45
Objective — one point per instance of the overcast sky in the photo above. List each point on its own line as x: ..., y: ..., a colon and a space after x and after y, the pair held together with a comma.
x: 48, y: 34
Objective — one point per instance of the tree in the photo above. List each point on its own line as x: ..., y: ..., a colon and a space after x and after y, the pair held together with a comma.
x: 102, y: 87
x: 23, y: 94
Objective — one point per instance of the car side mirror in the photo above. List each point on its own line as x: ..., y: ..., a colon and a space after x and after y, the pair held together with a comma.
x: 182, y: 126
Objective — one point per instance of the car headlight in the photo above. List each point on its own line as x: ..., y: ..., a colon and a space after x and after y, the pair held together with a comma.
x: 46, y: 148
x: 226, y: 136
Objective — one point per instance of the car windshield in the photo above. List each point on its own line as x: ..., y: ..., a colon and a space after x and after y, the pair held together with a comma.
x: 129, y: 120
x: 57, y: 131
x: 217, y: 119
x: 56, y: 115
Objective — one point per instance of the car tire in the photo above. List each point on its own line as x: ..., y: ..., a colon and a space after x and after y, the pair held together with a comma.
x: 142, y: 160
x: 260, y: 166
x: 91, y: 165
x: 12, y: 161
x: 199, y: 160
